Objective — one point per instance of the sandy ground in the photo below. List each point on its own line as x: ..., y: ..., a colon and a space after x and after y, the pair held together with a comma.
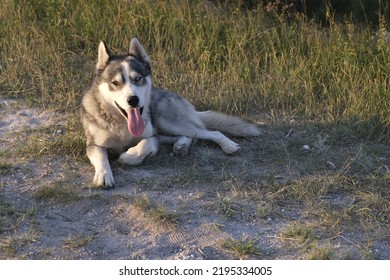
x: 214, y: 197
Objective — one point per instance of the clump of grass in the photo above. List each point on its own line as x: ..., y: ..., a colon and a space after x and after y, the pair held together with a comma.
x: 241, y: 248
x: 264, y: 210
x: 58, y: 192
x: 46, y: 142
x: 18, y: 228
x: 370, y: 209
x: 162, y: 218
x: 74, y: 242
x: 309, y: 189
x: 225, y: 206
x: 5, y: 168
x: 156, y: 217
x: 7, y: 213
x: 298, y: 233
x: 320, y: 253
x: 10, y: 244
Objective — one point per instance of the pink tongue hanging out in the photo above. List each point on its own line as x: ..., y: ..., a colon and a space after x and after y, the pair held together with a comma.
x: 135, y: 122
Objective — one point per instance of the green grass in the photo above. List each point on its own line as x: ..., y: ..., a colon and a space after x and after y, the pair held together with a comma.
x: 77, y: 241
x: 57, y: 191
x: 215, y: 55
x: 7, y: 216
x: 321, y: 253
x: 12, y: 218
x: 156, y: 217
x: 224, y: 205
x: 71, y: 143
x: 63, y: 192
x: 328, y: 85
x: 5, y: 168
x: 264, y: 210
x: 12, y: 243
x: 241, y: 248
x: 298, y: 233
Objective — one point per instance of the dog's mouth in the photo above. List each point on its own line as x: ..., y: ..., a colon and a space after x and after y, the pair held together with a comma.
x: 135, y: 122
x: 141, y: 109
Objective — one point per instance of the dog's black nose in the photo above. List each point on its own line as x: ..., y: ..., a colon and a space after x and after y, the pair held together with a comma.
x: 133, y: 101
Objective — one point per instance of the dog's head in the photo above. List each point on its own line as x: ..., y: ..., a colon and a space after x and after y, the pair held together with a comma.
x: 124, y: 81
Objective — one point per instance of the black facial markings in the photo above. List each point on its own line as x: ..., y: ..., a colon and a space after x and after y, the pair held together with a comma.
x: 139, y: 66
x: 121, y: 110
x: 113, y: 67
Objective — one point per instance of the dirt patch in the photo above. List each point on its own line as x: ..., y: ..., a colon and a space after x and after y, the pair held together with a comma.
x: 274, y: 199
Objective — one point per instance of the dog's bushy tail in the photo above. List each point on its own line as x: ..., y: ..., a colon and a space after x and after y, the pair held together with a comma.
x: 231, y: 125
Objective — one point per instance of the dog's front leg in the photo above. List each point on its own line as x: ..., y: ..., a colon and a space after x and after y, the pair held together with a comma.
x: 99, y: 159
x: 135, y: 155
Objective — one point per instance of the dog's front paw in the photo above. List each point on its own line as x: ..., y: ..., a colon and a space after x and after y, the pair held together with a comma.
x: 130, y: 157
x: 104, y: 179
x: 135, y: 155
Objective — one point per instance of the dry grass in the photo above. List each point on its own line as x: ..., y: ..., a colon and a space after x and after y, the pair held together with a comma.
x: 242, y: 249
x: 322, y: 87
x: 155, y: 217
x: 235, y: 62
x: 77, y: 241
x: 58, y: 192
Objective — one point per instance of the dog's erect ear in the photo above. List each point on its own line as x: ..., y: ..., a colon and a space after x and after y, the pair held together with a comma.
x: 137, y: 50
x: 103, y: 56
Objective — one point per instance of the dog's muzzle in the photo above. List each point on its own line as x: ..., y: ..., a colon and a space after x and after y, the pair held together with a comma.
x: 124, y: 112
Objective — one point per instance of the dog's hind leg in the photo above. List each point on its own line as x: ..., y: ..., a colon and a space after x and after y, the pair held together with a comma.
x: 99, y: 159
x: 135, y: 155
x: 182, y: 143
x: 227, y: 145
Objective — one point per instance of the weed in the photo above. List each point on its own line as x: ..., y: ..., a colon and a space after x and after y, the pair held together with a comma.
x: 74, y: 242
x: 320, y: 253
x: 247, y: 64
x: 10, y: 244
x: 7, y: 213
x: 156, y: 217
x: 242, y: 248
x: 370, y: 209
x: 160, y: 217
x: 18, y: 227
x: 57, y: 192
x: 225, y: 206
x: 237, y: 62
x: 298, y: 233
x: 5, y: 168
x: 43, y: 142
x: 264, y: 210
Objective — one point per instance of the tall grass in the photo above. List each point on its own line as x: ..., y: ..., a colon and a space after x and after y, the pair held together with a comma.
x: 214, y: 54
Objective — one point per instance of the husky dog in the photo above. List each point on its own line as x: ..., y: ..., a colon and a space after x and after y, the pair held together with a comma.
x: 121, y: 111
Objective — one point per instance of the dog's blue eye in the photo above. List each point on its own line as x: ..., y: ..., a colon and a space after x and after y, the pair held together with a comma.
x: 137, y: 79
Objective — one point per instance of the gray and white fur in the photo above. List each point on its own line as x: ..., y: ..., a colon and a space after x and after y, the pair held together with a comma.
x: 121, y: 111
